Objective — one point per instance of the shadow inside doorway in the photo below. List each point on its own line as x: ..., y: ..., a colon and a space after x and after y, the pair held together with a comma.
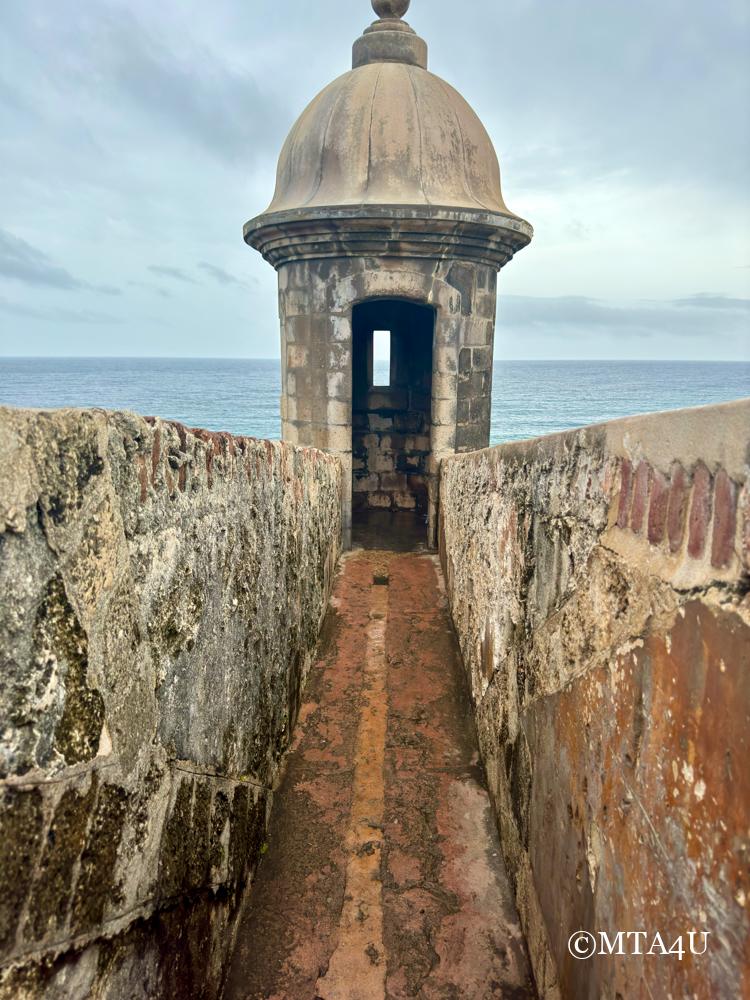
x: 393, y: 531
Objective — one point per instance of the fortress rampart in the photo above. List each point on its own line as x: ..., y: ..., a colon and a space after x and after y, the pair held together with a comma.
x: 598, y: 582
x: 162, y: 592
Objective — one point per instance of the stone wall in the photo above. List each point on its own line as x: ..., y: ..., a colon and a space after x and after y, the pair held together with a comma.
x: 598, y: 581
x: 162, y: 595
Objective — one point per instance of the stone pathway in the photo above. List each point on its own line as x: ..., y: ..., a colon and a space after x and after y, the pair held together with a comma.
x: 383, y: 876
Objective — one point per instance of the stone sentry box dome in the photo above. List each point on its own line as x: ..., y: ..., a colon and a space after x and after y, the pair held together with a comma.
x: 388, y: 215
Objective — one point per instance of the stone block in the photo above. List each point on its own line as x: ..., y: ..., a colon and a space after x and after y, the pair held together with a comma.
x: 444, y: 385
x: 375, y: 442
x: 471, y: 437
x: 700, y: 511
x: 339, y: 439
x: 413, y: 423
x: 679, y: 491
x: 387, y: 399
x: 294, y: 302
x: 474, y: 384
x: 297, y: 356
x: 626, y: 485
x: 465, y: 366
x: 411, y: 463
x: 365, y: 484
x: 377, y: 422
x: 341, y: 330
x: 658, y: 507
x: 339, y: 357
x: 445, y: 360
x: 640, y: 496
x: 339, y: 412
x: 443, y: 439
x: 392, y: 481
x: 725, y: 520
x: 462, y: 277
x: 381, y: 461
x: 481, y: 358
x: 382, y: 501
x: 302, y: 407
x: 404, y: 501
x: 444, y: 414
x: 477, y: 332
x: 418, y: 442
x: 481, y: 410
x: 340, y: 386
x: 485, y: 306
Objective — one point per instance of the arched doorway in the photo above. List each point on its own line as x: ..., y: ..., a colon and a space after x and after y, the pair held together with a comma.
x: 391, y: 415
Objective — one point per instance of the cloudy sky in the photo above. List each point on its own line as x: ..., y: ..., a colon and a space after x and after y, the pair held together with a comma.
x: 137, y: 137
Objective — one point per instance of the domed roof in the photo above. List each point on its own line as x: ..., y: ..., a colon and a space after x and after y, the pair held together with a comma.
x: 383, y: 146
x: 388, y: 133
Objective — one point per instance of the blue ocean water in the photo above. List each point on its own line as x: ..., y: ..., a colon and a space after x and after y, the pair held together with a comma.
x: 242, y: 396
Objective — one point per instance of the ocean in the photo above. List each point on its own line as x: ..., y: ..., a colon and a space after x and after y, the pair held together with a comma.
x: 530, y: 398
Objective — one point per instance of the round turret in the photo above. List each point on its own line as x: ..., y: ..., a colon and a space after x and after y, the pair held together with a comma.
x: 387, y: 228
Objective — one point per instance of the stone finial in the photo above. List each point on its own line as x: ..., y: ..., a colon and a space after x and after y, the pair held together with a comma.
x: 390, y: 8
x: 390, y: 39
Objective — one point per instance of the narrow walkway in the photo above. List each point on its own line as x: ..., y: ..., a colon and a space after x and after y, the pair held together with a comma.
x: 383, y: 876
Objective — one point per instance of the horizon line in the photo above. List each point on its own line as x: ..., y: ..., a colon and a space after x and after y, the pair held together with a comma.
x: 190, y: 357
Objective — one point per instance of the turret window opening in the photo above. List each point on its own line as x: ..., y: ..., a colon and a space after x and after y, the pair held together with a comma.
x: 381, y: 359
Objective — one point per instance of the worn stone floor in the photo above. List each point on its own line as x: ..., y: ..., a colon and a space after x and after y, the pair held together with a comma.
x: 383, y: 876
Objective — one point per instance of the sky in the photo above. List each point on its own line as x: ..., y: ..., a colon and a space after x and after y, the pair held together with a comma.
x: 136, y: 138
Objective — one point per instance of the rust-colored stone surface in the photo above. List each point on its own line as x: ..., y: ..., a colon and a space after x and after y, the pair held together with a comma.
x: 725, y: 520
x: 638, y: 808
x: 676, y: 508
x: 640, y: 496
x: 657, y: 512
x: 598, y: 583
x: 700, y: 511
x: 383, y: 876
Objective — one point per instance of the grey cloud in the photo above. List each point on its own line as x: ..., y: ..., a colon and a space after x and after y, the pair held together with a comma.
x: 219, y: 274
x: 706, y: 301
x: 694, y: 317
x: 668, y: 93
x: 157, y: 289
x: 197, y: 93
x: 172, y: 272
x: 56, y: 314
x: 23, y: 262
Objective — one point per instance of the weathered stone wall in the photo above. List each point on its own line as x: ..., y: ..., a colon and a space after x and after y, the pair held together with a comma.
x: 162, y: 591
x: 599, y: 586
